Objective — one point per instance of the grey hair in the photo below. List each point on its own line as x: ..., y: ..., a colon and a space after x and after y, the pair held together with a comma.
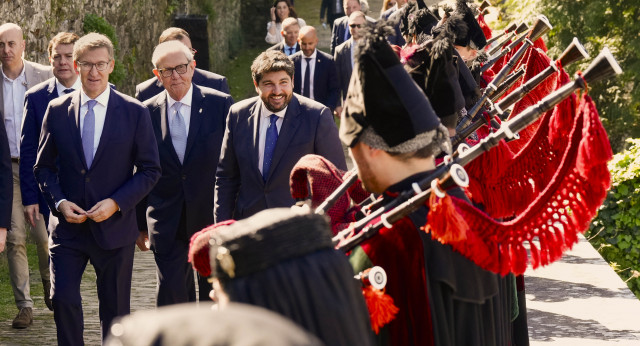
x: 170, y: 47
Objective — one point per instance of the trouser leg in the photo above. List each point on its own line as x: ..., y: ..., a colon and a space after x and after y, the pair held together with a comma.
x: 16, y: 247
x: 175, y: 276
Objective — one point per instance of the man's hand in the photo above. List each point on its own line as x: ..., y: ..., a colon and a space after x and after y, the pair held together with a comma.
x: 143, y: 241
x: 32, y: 213
x: 103, y: 210
x: 72, y: 213
x: 337, y: 112
x: 3, y: 238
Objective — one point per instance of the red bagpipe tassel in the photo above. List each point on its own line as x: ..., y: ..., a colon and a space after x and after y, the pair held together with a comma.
x: 444, y: 223
x: 486, y: 30
x: 381, y: 308
x: 199, y: 248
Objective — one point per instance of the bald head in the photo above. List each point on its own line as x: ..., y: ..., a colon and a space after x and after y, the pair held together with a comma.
x: 308, y: 40
x: 11, y: 47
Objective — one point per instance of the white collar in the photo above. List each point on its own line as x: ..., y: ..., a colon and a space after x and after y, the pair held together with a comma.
x: 313, y: 56
x: 20, y: 76
x: 102, y: 99
x: 61, y: 88
x: 186, y: 100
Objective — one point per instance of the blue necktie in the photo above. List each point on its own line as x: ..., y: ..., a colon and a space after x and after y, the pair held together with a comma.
x: 68, y: 91
x: 88, y: 132
x: 178, y: 132
x: 269, y: 146
x: 290, y: 51
x: 306, y: 85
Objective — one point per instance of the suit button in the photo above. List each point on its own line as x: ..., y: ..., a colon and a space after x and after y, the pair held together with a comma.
x: 184, y: 177
x: 83, y: 172
x: 87, y: 179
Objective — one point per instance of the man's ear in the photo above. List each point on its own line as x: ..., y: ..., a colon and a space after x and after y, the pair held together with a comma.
x: 255, y: 84
x: 157, y: 73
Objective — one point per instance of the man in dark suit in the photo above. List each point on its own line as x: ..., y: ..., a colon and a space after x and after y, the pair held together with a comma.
x: 6, y: 186
x: 265, y: 137
x: 188, y: 122
x: 333, y: 9
x: 315, y: 72
x: 290, y: 31
x: 98, y: 136
x: 394, y: 18
x: 152, y: 86
x: 36, y: 101
x: 340, y: 31
x: 18, y: 75
x: 343, y: 56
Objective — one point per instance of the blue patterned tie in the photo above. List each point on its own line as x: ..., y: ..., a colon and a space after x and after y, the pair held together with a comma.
x: 88, y: 132
x: 306, y: 85
x: 290, y: 51
x: 68, y: 91
x: 269, y: 146
x: 178, y: 132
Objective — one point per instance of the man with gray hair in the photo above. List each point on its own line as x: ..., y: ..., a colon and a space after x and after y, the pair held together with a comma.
x: 188, y: 122
x: 18, y: 75
x: 100, y: 137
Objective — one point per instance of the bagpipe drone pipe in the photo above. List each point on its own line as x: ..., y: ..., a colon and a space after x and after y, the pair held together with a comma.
x: 549, y: 224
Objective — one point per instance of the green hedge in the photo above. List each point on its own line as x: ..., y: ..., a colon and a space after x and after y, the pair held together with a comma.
x: 615, y: 232
x: 94, y: 23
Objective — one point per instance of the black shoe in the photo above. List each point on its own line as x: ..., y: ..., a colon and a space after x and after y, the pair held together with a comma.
x: 24, y: 319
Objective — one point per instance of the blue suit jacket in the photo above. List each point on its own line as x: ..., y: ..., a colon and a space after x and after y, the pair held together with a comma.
x: 340, y: 27
x: 152, y: 86
x: 6, y: 178
x: 307, y: 128
x: 185, y: 189
x: 36, y: 101
x: 325, y: 78
x: 127, y: 142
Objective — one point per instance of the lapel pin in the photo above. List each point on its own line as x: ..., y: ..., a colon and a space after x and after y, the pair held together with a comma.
x: 200, y: 111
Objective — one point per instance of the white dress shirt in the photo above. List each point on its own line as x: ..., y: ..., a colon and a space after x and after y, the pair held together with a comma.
x: 265, y: 115
x: 13, y: 92
x: 100, y: 112
x: 185, y: 109
x: 303, y: 69
x: 61, y: 88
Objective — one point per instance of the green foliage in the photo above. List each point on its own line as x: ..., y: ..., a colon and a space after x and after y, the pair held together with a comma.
x: 615, y: 232
x: 94, y: 23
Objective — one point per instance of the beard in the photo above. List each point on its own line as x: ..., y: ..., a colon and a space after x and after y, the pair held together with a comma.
x: 274, y: 107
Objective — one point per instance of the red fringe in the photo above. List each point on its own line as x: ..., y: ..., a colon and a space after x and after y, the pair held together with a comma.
x: 445, y: 225
x: 486, y: 30
x: 381, y: 307
x: 199, y: 248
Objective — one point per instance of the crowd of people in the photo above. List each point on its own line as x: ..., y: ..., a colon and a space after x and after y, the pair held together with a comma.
x: 202, y: 181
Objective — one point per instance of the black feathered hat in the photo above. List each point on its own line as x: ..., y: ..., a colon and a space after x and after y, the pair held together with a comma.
x: 385, y: 108
x: 474, y: 36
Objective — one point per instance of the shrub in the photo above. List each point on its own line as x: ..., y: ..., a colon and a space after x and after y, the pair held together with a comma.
x: 94, y: 23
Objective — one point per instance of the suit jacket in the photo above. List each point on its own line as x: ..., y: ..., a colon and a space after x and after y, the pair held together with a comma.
x: 34, y: 73
x: 340, y: 27
x: 307, y: 128
x: 329, y: 7
x: 185, y: 189
x: 127, y: 142
x: 36, y: 101
x: 342, y: 58
x: 152, y: 87
x: 386, y: 14
x: 394, y: 20
x: 325, y: 78
x: 280, y: 46
x: 6, y: 179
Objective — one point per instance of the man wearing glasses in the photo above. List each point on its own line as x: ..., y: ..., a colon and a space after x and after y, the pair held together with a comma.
x: 18, y: 75
x: 188, y: 122
x: 152, y: 87
x: 91, y: 142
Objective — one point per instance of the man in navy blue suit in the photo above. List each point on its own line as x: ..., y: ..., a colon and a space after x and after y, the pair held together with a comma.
x: 315, y: 72
x: 92, y: 141
x: 36, y: 100
x: 265, y: 137
x: 152, y: 87
x: 188, y: 122
x: 6, y: 186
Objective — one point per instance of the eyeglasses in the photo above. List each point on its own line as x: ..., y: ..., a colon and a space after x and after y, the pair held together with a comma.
x: 87, y: 66
x: 167, y: 72
x: 355, y: 26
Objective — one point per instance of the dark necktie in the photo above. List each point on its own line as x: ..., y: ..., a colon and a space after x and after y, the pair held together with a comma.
x: 290, y: 51
x: 269, y: 146
x: 306, y: 89
x: 88, y: 129
x: 68, y: 91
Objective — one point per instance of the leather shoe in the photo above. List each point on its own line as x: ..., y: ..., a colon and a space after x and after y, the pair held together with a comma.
x: 46, y: 284
x: 24, y: 319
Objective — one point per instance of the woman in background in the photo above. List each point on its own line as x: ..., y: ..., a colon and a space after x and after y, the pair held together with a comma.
x: 281, y: 9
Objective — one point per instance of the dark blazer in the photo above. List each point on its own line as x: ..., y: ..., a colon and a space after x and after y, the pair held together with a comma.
x: 152, y: 87
x: 325, y: 78
x: 188, y: 187
x: 280, y: 46
x: 394, y: 20
x: 36, y: 101
x: 307, y: 128
x: 340, y: 26
x: 386, y: 14
x: 6, y: 178
x: 342, y: 58
x: 127, y: 142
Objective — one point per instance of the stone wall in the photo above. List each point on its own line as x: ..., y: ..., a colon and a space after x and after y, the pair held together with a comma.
x: 138, y: 23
